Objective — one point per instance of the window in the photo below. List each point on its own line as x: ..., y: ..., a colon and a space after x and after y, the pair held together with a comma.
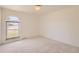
x: 12, y: 27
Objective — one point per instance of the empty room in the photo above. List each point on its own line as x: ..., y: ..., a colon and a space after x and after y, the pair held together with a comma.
x: 39, y: 28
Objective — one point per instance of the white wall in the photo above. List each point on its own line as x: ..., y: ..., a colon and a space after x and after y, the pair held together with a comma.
x: 28, y: 23
x: 0, y: 25
x: 62, y: 25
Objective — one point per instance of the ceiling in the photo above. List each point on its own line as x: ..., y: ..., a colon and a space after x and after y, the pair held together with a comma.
x: 30, y: 8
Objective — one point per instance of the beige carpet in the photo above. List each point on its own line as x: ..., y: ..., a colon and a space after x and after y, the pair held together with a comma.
x: 37, y: 45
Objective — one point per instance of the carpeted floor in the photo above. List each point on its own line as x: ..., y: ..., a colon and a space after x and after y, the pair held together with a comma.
x: 37, y: 45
